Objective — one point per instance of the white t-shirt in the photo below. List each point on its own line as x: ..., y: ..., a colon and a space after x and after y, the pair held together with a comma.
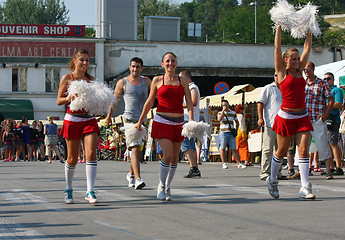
x: 241, y: 122
x: 272, y: 99
x: 196, y: 109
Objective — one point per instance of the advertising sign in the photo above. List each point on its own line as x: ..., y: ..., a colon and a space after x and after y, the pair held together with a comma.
x: 42, y: 30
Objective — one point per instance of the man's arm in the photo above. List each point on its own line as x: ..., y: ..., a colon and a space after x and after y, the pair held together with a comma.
x: 194, y: 95
x: 120, y: 86
x: 329, y: 108
x: 261, y: 121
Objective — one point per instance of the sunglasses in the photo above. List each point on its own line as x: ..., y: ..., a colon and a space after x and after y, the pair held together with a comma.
x: 327, y: 78
x: 307, y: 69
x: 276, y: 75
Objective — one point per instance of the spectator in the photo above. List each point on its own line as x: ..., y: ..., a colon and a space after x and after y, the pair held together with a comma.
x: 51, y: 139
x: 7, y: 139
x: 26, y: 138
x: 20, y: 148
x: 228, y: 133
x: 333, y: 123
x: 188, y: 144
x: 40, y: 140
x: 33, y: 140
x: 242, y: 137
x: 317, y: 92
x: 269, y: 103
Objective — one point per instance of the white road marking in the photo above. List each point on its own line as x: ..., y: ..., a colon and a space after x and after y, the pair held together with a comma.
x: 12, y: 230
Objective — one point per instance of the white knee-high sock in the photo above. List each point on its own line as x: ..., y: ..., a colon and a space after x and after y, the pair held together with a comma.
x: 91, y: 170
x: 163, y: 172
x: 303, y: 164
x: 69, y: 174
x: 275, y: 166
x: 171, y: 174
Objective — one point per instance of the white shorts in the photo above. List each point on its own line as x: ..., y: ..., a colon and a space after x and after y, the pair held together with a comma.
x: 321, y: 139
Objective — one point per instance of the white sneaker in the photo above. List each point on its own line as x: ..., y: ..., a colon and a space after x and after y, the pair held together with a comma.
x: 131, y: 180
x: 306, y: 192
x: 168, y: 195
x: 225, y: 166
x: 139, y: 183
x: 91, y: 197
x: 161, y: 193
x: 241, y: 166
x: 69, y: 196
x: 272, y: 188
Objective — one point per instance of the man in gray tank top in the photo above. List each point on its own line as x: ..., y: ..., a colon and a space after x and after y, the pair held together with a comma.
x: 134, y: 89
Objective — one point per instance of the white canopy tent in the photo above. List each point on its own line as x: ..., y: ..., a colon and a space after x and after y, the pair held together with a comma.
x: 337, y: 68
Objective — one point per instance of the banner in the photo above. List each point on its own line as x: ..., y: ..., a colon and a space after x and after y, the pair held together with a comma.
x: 42, y: 52
x: 42, y: 30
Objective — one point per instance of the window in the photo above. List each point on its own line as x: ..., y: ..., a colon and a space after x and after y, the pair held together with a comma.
x: 19, y: 79
x: 52, y: 79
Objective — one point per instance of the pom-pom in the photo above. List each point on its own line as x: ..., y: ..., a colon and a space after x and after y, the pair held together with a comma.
x: 133, y: 135
x: 196, y: 130
x: 298, y: 22
x: 284, y: 14
x: 94, y: 97
x: 306, y: 18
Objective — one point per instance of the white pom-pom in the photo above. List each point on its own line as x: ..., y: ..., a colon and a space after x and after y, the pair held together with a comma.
x: 94, y: 97
x: 195, y: 130
x: 133, y: 135
x: 284, y: 14
x: 306, y: 21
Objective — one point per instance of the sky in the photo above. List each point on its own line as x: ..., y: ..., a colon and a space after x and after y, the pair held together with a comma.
x: 83, y: 12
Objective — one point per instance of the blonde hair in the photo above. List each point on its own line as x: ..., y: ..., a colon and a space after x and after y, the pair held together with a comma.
x: 288, y: 53
x: 50, y: 118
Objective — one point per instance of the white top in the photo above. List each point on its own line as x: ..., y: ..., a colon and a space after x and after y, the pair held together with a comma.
x: 272, y: 99
x: 242, y: 122
x: 196, y: 109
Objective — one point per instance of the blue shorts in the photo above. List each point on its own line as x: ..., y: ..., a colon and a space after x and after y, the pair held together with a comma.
x: 226, y: 138
x: 188, y: 144
x: 159, y: 150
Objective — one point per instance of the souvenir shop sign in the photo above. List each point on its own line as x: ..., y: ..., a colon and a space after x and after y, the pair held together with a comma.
x: 42, y: 52
x: 42, y: 30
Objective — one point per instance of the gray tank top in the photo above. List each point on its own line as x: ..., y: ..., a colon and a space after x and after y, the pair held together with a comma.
x: 135, y: 97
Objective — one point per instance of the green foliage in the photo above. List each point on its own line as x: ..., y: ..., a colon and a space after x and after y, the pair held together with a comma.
x: 90, y: 32
x: 226, y: 21
x: 154, y: 8
x: 33, y: 12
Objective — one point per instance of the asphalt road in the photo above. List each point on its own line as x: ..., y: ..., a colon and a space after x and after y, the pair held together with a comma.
x: 222, y: 204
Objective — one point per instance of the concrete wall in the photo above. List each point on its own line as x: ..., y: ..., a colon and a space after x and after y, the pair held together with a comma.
x: 6, y: 85
x: 204, y: 55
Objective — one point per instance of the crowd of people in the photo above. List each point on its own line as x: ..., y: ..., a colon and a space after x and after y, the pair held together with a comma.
x: 24, y: 142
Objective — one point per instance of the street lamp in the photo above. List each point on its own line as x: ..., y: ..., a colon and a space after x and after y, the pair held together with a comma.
x: 254, y: 3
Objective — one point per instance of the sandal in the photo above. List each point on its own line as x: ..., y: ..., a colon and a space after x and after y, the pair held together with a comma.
x: 318, y: 170
x: 282, y: 178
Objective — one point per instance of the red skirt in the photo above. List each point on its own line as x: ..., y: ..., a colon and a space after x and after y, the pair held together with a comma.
x: 162, y: 130
x: 288, y: 127
x: 76, y: 130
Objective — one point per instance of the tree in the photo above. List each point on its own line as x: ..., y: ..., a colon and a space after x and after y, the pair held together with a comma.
x: 34, y: 12
x: 154, y: 8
